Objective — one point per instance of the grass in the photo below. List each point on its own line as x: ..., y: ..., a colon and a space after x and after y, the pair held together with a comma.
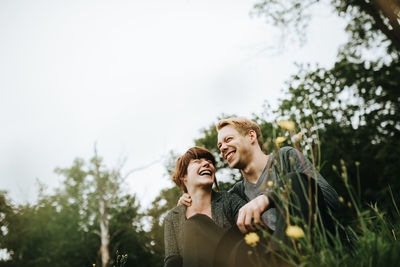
x: 365, y: 238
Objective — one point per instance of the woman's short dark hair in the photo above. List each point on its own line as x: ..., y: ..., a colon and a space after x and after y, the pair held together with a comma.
x: 183, y: 162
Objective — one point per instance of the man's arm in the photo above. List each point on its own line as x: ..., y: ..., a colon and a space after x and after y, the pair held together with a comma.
x: 299, y: 163
x: 252, y: 212
x: 234, y: 205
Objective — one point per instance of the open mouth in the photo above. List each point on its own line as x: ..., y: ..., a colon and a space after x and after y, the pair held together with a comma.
x: 205, y: 172
x: 230, y: 155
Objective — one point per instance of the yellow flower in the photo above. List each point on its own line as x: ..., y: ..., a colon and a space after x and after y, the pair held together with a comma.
x: 279, y: 140
x: 270, y: 183
x: 294, y: 231
x: 252, y: 239
x: 357, y: 163
x: 287, y: 125
x: 94, y: 264
x: 341, y: 199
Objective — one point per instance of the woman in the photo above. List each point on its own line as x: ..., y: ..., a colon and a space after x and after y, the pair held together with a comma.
x: 193, y: 233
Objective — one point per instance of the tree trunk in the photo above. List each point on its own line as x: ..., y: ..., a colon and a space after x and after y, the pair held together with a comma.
x: 104, y: 233
x: 103, y: 216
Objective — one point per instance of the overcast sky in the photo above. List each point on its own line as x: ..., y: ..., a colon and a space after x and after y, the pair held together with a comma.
x: 139, y: 77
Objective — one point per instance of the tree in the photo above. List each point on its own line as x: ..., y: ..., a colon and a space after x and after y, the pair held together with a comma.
x: 368, y: 20
x: 66, y: 228
x: 355, y: 104
x: 165, y: 201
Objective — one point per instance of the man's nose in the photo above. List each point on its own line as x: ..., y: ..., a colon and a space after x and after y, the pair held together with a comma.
x: 223, y: 148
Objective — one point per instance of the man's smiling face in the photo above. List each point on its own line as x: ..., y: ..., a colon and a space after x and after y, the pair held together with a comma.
x: 233, y: 146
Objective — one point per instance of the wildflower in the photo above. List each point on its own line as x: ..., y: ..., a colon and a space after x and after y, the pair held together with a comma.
x: 252, y: 239
x: 270, y: 183
x: 357, y: 163
x: 297, y: 137
x: 341, y: 199
x: 349, y: 204
x: 287, y: 125
x: 334, y: 168
x: 94, y: 264
x: 294, y: 231
x: 279, y: 140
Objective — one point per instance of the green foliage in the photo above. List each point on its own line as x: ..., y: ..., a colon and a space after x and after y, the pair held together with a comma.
x: 120, y: 259
x: 349, y: 112
x: 370, y: 23
x: 370, y: 239
x: 62, y: 229
x: 166, y: 200
x: 357, y: 110
x: 354, y: 105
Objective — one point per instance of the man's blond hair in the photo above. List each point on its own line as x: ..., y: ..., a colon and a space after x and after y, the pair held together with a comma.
x: 243, y: 126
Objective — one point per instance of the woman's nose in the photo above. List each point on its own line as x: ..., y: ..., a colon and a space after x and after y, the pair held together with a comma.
x: 205, y: 163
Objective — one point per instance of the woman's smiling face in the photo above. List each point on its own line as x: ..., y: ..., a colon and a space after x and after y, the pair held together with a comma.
x: 200, y: 172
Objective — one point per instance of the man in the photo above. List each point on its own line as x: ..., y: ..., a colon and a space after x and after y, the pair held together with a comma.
x: 240, y: 143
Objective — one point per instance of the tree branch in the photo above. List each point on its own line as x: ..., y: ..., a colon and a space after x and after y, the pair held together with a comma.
x: 372, y: 9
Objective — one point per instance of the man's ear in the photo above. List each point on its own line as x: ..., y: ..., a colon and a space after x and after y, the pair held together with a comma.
x: 253, y: 136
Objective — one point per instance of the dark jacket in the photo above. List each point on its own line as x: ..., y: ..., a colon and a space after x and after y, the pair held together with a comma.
x: 290, y: 160
x: 224, y: 211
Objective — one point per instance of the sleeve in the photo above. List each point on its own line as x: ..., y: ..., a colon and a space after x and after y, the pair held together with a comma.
x: 272, y: 198
x: 288, y: 160
x: 297, y: 162
x: 172, y: 257
x: 234, y: 204
x: 238, y: 190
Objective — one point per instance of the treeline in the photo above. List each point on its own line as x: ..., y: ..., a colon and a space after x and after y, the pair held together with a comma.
x: 86, y: 221
x: 349, y: 112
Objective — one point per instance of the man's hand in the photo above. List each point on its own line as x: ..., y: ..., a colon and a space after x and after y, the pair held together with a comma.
x: 252, y: 211
x: 185, y: 199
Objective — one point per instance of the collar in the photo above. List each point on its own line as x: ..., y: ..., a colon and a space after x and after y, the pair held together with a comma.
x: 215, y: 197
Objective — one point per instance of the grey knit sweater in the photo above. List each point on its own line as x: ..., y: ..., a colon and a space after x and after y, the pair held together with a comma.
x: 224, y: 211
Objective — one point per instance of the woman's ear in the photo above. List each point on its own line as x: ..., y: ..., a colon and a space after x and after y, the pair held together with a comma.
x: 184, y: 179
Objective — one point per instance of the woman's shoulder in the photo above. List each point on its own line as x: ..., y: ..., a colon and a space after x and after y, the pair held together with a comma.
x: 217, y: 195
x: 228, y: 196
x: 176, y: 211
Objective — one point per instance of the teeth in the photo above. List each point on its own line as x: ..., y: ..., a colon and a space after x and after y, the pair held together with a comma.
x: 205, y: 172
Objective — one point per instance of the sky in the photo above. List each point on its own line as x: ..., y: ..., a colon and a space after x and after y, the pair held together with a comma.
x: 138, y: 78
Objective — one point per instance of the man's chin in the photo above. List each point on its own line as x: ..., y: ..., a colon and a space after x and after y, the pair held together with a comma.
x: 232, y: 164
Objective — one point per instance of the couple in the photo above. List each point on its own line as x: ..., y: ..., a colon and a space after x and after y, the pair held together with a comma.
x: 206, y: 229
